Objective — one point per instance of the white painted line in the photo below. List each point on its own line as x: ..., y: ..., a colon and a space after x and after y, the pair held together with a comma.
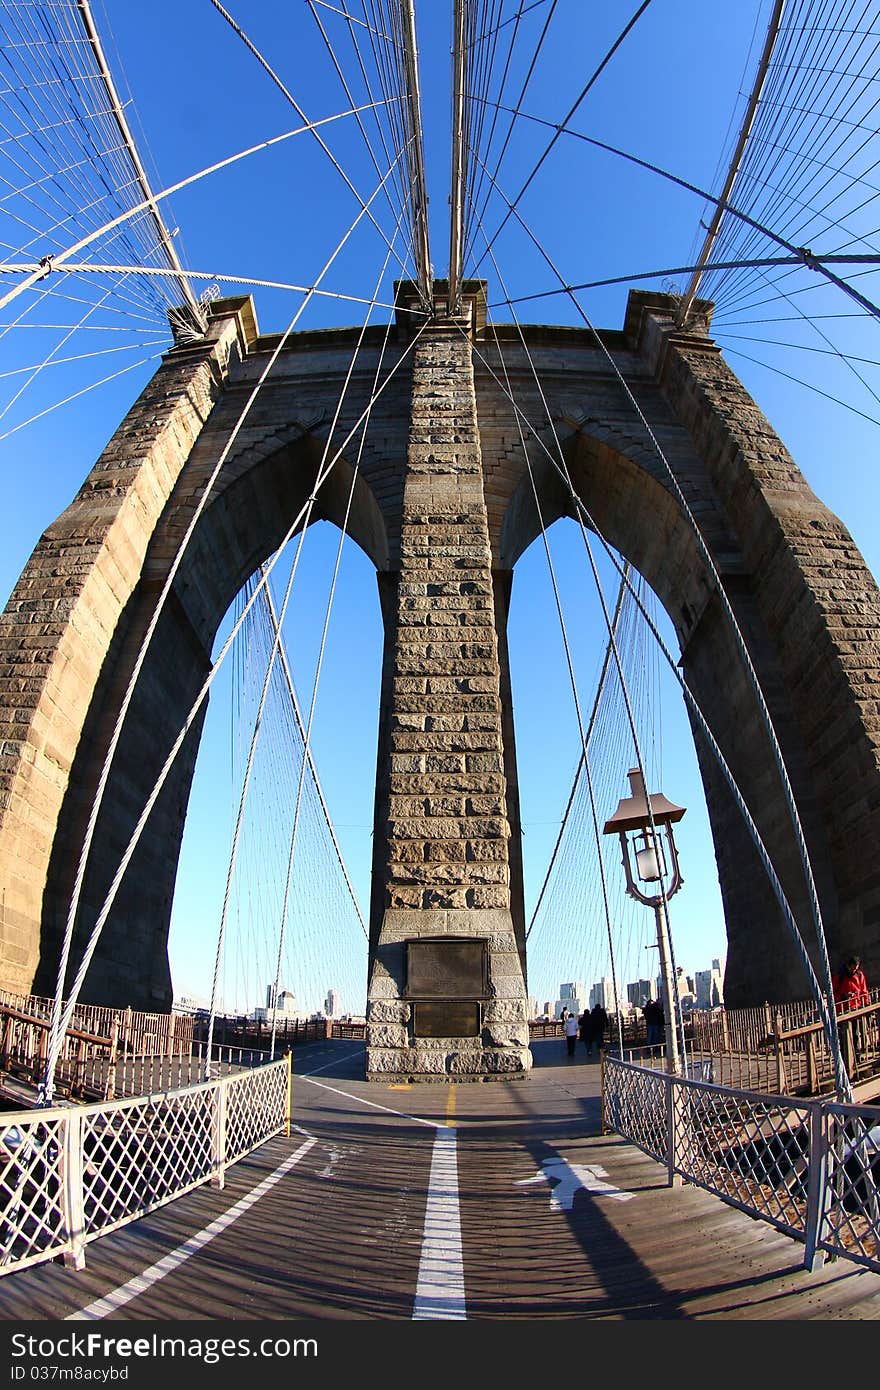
x: 440, y: 1287
x: 569, y: 1178
x: 328, y: 1066
x: 104, y: 1307
x: 374, y: 1105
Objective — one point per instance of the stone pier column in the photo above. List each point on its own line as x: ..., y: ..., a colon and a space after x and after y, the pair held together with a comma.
x: 447, y: 995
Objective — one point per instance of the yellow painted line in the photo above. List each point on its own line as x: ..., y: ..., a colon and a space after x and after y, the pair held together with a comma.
x: 450, y: 1106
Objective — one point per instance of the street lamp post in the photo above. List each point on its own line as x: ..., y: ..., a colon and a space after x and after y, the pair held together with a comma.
x: 644, y: 824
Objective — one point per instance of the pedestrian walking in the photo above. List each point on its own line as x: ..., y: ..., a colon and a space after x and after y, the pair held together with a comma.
x: 598, y: 1025
x: 570, y: 1028
x: 655, y: 1022
x: 851, y: 992
x: 850, y: 985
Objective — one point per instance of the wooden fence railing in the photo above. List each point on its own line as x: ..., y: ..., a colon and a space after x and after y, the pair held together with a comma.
x: 166, y: 1035
x: 240, y: 1031
x: 751, y: 1030
x: 783, y: 1047
x: 83, y: 1064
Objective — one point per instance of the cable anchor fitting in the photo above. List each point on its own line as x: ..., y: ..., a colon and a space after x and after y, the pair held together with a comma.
x: 46, y: 263
x: 812, y: 262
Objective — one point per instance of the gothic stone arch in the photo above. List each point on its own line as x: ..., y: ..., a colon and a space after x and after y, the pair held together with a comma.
x: 443, y: 510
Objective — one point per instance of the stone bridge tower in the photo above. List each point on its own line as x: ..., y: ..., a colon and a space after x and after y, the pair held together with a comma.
x: 443, y: 507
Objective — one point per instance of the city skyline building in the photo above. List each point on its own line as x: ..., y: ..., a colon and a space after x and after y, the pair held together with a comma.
x: 639, y: 991
x: 571, y: 996
x: 697, y: 989
x: 603, y: 993
x: 280, y: 1004
x: 709, y: 986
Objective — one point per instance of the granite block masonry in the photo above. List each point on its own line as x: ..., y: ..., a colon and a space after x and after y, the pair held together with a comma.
x: 440, y: 498
x: 442, y: 810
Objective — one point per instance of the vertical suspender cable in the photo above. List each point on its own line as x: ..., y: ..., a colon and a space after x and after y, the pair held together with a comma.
x: 415, y: 152
x: 456, y: 199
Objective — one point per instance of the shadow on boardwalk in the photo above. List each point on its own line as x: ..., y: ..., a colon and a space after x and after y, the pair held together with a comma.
x: 557, y: 1221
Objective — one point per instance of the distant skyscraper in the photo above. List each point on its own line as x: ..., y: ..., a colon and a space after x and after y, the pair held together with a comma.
x: 571, y: 997
x: 331, y: 1003
x: 639, y: 991
x: 709, y: 987
x: 603, y: 993
x: 280, y: 1004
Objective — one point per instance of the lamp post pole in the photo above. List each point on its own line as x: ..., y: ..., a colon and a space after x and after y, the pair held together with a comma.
x: 649, y: 817
x: 673, y: 1056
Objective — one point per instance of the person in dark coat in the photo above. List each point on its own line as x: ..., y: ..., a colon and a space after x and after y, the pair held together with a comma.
x: 598, y: 1025
x: 586, y: 1030
x: 655, y: 1022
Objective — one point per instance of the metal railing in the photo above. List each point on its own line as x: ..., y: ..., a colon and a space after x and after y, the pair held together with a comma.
x: 69, y: 1175
x: 809, y: 1167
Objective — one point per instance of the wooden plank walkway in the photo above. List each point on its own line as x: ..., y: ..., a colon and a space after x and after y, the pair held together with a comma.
x: 341, y: 1233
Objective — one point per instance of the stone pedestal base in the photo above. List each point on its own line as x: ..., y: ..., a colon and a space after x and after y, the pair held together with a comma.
x: 395, y: 1053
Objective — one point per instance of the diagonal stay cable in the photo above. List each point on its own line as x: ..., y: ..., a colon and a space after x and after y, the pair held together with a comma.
x: 548, y: 19
x: 739, y: 641
x: 690, y: 292
x: 560, y: 467
x: 821, y: 998
x: 57, y: 259
x: 801, y: 253
x: 165, y: 238
x: 270, y: 668
x: 563, y: 627
x: 190, y: 720
x: 621, y: 675
x: 83, y: 391
x: 54, y: 1039
x: 351, y: 101
x: 627, y: 29
x: 288, y: 95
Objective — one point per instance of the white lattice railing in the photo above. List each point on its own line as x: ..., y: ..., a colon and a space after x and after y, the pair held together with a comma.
x: 69, y: 1175
x: 809, y: 1167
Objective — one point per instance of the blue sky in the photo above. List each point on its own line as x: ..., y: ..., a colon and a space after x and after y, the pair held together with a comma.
x: 671, y: 95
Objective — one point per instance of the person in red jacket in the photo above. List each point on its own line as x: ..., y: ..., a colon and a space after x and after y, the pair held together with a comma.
x: 850, y: 985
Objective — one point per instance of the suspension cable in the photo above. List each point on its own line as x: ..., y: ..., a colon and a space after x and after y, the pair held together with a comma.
x: 821, y: 998
x: 561, y: 467
x: 165, y: 237
x: 730, y: 617
x: 690, y: 293
x: 54, y: 1038
x: 288, y: 95
x: 56, y: 259
x: 591, y: 723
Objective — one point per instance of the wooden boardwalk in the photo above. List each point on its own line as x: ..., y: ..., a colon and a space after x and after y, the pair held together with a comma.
x: 557, y: 1221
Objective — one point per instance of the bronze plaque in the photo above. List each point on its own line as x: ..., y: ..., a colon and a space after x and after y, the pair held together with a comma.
x: 447, y: 1018
x: 446, y: 969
